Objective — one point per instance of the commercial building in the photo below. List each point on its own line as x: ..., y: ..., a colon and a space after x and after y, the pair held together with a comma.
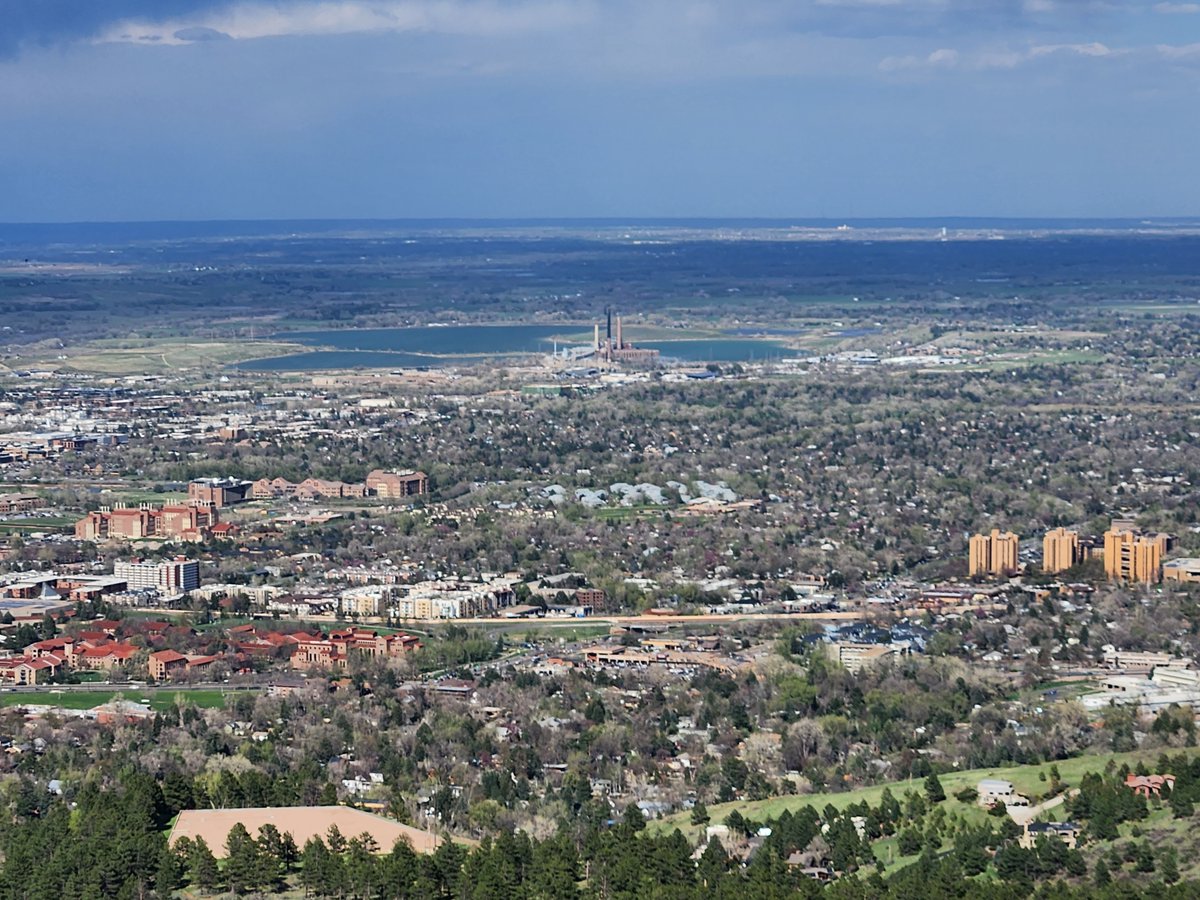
x: 1131, y: 555
x: 175, y: 576
x: 397, y: 485
x: 1060, y: 550
x: 20, y: 503
x: 994, y: 554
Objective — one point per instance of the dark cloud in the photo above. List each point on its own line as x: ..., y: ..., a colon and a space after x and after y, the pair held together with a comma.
x: 29, y: 23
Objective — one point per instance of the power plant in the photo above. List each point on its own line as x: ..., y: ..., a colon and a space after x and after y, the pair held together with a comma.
x: 615, y: 350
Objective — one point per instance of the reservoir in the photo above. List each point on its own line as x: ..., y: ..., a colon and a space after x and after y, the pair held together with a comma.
x: 390, y: 348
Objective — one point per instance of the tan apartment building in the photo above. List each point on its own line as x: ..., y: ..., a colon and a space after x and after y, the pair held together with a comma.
x: 1060, y: 550
x: 992, y: 554
x: 1130, y: 555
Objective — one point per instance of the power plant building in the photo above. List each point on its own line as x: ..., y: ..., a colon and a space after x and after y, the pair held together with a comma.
x: 614, y: 349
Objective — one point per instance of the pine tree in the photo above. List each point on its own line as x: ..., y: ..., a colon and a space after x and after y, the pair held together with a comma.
x: 202, y: 866
x: 1169, y: 865
x: 699, y: 814
x: 933, y: 789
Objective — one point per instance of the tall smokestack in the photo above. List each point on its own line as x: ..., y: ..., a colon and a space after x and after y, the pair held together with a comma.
x: 596, y: 338
x: 608, y: 331
x: 620, y: 339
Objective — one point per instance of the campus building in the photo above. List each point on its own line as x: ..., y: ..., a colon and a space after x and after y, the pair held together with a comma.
x: 185, y: 522
x: 219, y: 491
x: 994, y: 554
x: 175, y: 576
x: 397, y: 485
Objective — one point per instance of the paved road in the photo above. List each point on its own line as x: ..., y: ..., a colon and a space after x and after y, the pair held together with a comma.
x: 1023, y: 814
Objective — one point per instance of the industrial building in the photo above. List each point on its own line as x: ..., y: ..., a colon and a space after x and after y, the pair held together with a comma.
x: 614, y: 348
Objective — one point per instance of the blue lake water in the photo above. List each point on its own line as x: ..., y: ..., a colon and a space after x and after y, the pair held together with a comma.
x: 380, y: 348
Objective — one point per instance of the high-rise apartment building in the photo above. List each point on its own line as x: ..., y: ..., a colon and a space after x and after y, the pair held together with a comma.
x: 1130, y: 555
x: 992, y: 554
x: 1060, y: 550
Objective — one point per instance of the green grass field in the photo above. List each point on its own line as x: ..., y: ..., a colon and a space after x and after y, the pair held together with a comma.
x: 1024, y: 778
x: 42, y: 523
x: 160, y: 698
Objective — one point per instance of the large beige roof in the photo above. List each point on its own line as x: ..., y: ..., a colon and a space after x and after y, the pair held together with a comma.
x: 302, y: 822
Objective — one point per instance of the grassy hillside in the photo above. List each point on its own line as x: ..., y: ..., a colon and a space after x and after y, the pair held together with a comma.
x: 1024, y: 778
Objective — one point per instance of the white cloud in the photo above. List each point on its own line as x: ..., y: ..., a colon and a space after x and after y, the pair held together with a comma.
x: 1008, y: 58
x: 332, y: 17
x: 1170, y: 9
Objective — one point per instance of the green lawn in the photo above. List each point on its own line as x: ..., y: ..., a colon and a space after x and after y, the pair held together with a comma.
x: 160, y: 699
x: 1024, y: 778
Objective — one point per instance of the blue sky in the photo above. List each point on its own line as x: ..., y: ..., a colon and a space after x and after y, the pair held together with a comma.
x: 209, y: 109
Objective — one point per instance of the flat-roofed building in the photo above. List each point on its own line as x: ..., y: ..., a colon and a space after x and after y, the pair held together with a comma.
x: 992, y: 554
x: 1131, y: 555
x: 174, y: 576
x: 1060, y: 550
x: 397, y: 485
x: 219, y: 491
x: 302, y: 823
x: 1183, y: 571
x: 187, y: 522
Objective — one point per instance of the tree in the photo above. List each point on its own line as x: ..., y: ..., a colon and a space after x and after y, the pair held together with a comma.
x: 202, y: 866
x: 244, y: 863
x: 633, y: 818
x: 169, y: 876
x: 1169, y: 865
x: 699, y: 814
x: 933, y: 789
x: 1143, y: 860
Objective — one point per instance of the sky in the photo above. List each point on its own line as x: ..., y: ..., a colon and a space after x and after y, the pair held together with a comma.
x: 249, y: 109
